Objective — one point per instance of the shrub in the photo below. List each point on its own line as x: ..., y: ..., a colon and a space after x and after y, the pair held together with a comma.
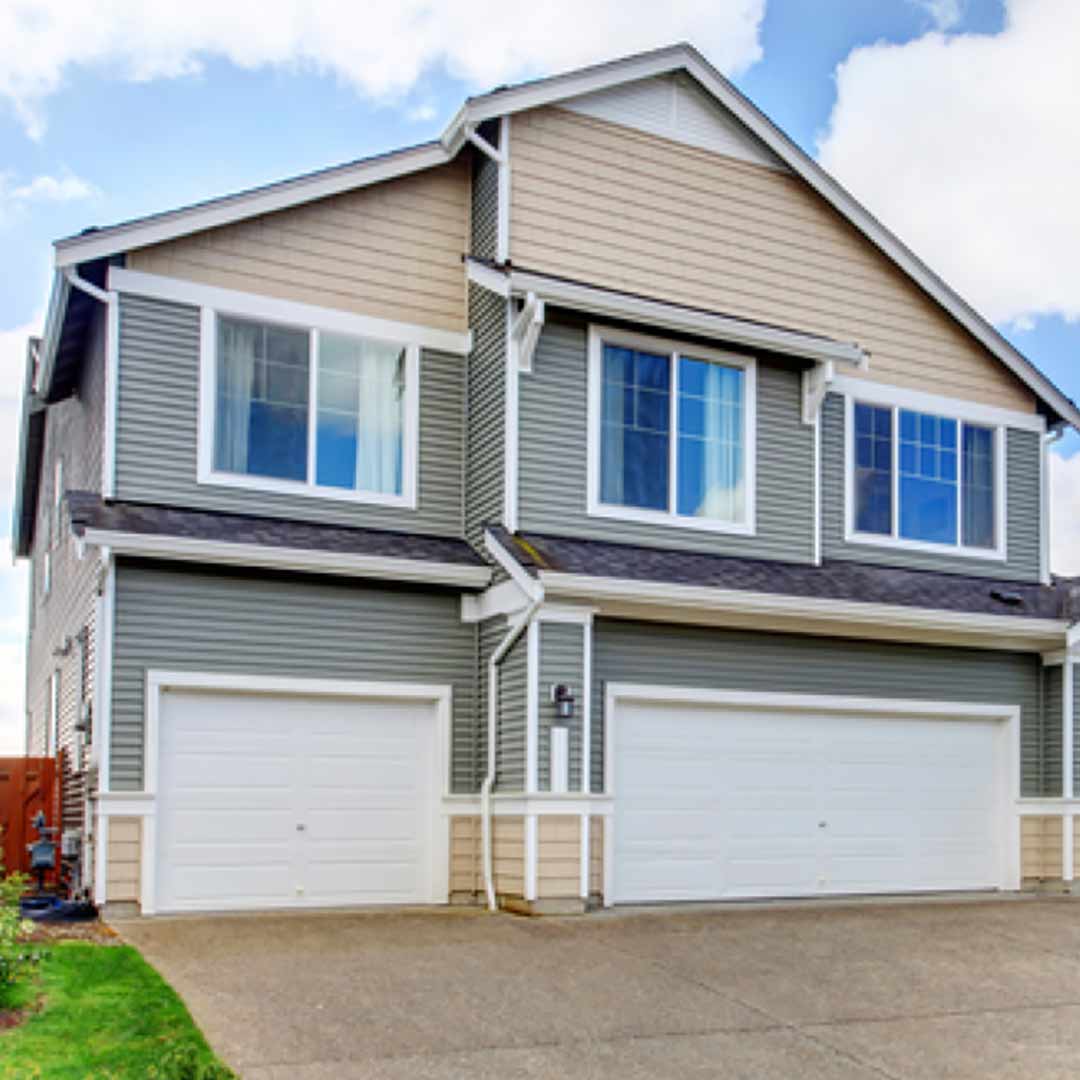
x: 16, y: 955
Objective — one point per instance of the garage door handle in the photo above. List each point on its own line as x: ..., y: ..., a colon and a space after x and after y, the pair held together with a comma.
x: 822, y: 824
x: 300, y: 828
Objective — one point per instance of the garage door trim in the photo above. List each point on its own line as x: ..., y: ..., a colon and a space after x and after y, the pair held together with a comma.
x: 1008, y: 757
x: 157, y: 682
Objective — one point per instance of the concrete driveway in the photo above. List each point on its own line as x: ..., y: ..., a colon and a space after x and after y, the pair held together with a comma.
x: 928, y: 990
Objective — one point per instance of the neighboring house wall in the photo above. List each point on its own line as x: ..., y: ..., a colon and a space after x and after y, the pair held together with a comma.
x: 185, y: 618
x: 553, y: 459
x: 1023, y: 510
x: 629, y: 210
x: 62, y: 635
x: 691, y: 656
x: 392, y: 250
x: 157, y: 432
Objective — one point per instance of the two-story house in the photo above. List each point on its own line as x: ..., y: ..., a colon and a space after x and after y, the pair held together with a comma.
x: 596, y: 505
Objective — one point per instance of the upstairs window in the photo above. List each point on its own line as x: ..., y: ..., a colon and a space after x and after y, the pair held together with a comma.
x: 671, y: 433
x: 921, y: 479
x: 311, y: 411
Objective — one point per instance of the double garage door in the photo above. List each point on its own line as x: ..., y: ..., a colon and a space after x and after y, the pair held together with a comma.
x: 291, y: 801
x: 715, y: 802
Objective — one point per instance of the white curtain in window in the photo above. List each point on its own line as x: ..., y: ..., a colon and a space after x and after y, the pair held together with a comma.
x: 724, y: 491
x: 238, y: 345
x: 380, y: 418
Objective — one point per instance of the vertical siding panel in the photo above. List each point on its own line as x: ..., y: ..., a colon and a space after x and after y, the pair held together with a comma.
x: 654, y: 653
x: 553, y: 463
x: 1022, y: 510
x: 1050, y: 745
x: 486, y: 412
x: 180, y: 618
x: 157, y: 432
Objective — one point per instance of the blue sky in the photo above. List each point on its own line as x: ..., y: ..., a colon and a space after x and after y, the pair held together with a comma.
x: 109, y: 122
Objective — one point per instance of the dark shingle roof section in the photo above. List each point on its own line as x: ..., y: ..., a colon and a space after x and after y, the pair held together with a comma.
x: 88, y: 510
x: 834, y: 580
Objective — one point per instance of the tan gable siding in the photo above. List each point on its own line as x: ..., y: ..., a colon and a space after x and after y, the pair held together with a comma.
x: 392, y: 250
x: 629, y: 210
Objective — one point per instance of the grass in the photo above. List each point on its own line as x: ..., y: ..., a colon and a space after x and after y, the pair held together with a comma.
x: 104, y: 1014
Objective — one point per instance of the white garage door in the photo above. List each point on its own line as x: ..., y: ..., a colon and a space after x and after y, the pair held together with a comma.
x: 294, y: 801
x: 722, y: 802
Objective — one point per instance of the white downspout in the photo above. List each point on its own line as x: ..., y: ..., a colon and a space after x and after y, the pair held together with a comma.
x: 535, y: 594
x: 1068, y: 668
x: 1049, y: 439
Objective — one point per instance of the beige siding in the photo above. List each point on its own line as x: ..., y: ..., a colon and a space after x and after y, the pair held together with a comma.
x: 123, y: 859
x: 629, y: 210
x: 1040, y: 848
x: 558, y: 862
x: 392, y: 250
x: 508, y: 856
x: 596, y: 856
x: 466, y: 874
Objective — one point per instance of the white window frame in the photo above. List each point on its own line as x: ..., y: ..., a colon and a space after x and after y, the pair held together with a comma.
x: 46, y: 573
x: 599, y: 336
x: 56, y: 524
x: 255, y: 309
x: 949, y: 410
x: 52, y: 717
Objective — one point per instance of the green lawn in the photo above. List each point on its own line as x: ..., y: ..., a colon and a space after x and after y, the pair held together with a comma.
x: 105, y: 1015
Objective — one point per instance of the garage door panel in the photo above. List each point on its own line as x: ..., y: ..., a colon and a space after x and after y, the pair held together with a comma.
x: 800, y: 803
x: 274, y: 801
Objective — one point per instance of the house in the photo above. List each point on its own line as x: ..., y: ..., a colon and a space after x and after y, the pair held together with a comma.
x: 594, y: 506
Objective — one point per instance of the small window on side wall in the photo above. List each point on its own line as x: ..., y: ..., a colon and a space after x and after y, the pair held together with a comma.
x: 923, y: 479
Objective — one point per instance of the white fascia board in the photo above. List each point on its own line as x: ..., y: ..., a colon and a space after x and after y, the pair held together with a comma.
x: 300, y: 560
x: 686, y: 58
x: 255, y: 306
x: 735, y: 601
x: 264, y: 200
x: 518, y: 574
x: 50, y: 339
x: 487, y: 277
x: 598, y: 301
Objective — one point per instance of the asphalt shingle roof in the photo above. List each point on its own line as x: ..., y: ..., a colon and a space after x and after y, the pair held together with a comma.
x: 833, y: 580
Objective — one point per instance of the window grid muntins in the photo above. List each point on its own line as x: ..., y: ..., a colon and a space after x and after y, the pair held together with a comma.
x: 672, y: 434
x: 321, y: 409
x: 923, y: 478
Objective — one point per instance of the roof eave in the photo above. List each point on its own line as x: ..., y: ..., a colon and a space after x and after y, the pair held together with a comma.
x: 28, y: 467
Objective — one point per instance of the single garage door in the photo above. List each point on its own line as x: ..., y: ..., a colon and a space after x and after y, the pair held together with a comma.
x: 732, y: 802
x: 292, y: 801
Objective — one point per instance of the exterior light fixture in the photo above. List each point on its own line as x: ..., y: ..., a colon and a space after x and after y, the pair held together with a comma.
x: 562, y: 697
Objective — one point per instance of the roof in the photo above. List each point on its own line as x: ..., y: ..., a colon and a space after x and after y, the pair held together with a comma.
x: 103, y: 242
x: 838, y: 580
x: 208, y: 536
x: 31, y: 443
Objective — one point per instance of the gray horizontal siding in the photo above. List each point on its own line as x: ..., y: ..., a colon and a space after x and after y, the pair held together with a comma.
x: 487, y: 405
x: 552, y: 467
x: 1076, y: 728
x: 511, y: 714
x: 1022, y: 510
x: 183, y: 619
x: 1052, y: 744
x: 157, y: 431
x: 653, y: 653
x: 485, y: 202
x: 562, y: 660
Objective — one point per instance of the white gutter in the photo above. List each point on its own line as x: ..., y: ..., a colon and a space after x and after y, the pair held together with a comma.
x: 738, y: 602
x: 301, y: 560
x: 1068, y: 822
x: 534, y: 594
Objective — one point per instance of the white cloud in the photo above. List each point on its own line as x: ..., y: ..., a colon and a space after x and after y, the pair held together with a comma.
x: 66, y: 188
x: 1065, y: 515
x: 966, y: 146
x: 945, y: 13
x: 380, y: 49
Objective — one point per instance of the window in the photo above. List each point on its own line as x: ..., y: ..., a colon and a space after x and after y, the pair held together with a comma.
x: 46, y: 574
x: 921, y: 479
x: 309, y: 411
x: 671, y: 433
x: 52, y: 718
x: 56, y: 522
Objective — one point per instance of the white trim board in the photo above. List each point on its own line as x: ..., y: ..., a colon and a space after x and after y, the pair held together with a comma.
x: 686, y: 58
x: 158, y: 681
x: 665, y: 316
x: 157, y: 228
x: 984, y: 629
x: 1008, y: 778
x: 300, y: 560
x: 254, y: 306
